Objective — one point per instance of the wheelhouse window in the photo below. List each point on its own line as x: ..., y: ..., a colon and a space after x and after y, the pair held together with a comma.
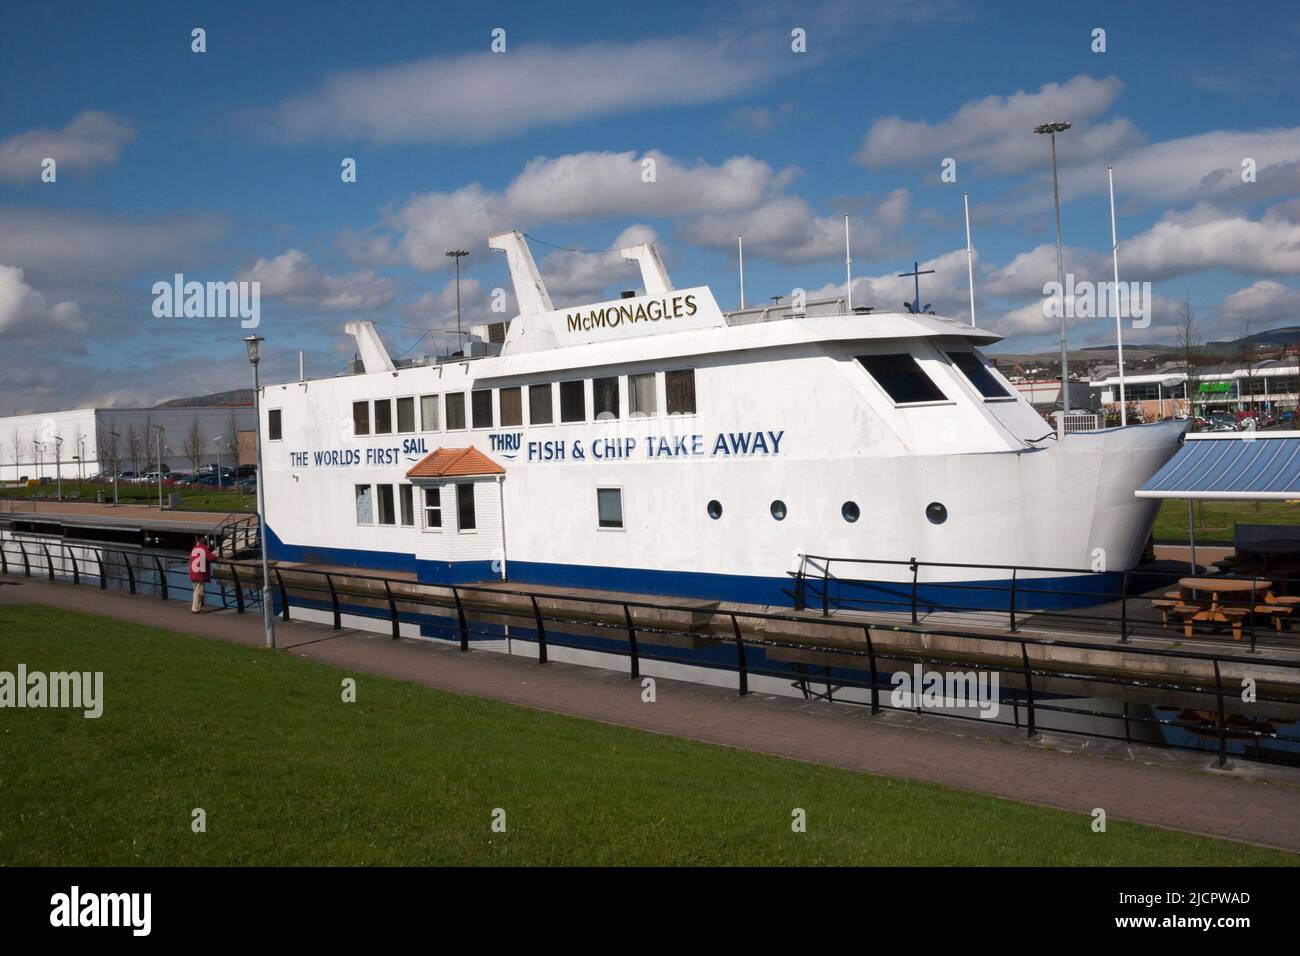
x: 365, y: 504
x: 361, y: 418
x: 512, y: 407
x: 384, y: 417
x: 273, y: 424
x: 429, y: 413
x: 978, y: 375
x: 609, y: 508
x: 573, y: 401
x: 455, y: 411
x: 387, y: 513
x: 540, y: 411
x: 481, y: 408
x: 902, y: 378
x: 641, y: 396
x: 406, y: 499
x: 465, y: 507
x: 405, y: 415
x: 433, y: 507
x: 604, y: 398
x: 680, y: 388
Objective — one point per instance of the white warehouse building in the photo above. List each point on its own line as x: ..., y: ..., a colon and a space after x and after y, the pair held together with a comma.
x: 86, y: 442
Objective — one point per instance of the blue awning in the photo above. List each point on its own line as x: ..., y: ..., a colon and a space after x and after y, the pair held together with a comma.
x: 1249, y: 466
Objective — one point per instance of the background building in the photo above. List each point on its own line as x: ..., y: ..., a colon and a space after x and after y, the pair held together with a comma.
x: 1271, y: 386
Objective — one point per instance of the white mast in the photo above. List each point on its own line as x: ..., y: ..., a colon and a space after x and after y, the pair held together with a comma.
x: 848, y: 265
x: 970, y: 260
x: 1119, y: 335
x: 740, y: 244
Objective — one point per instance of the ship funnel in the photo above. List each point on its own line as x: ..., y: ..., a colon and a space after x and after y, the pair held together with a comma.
x: 530, y: 290
x: 653, y: 274
x: 373, y: 354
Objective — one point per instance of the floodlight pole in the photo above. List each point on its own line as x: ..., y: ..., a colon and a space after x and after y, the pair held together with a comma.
x: 456, y: 255
x: 254, y: 344
x: 1052, y: 129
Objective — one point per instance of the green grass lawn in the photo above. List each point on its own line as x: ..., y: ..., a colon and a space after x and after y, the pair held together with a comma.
x: 289, y: 774
x: 1214, y: 519
x: 192, y: 499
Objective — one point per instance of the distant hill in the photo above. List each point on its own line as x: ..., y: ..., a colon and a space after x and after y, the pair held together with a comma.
x: 1284, y: 336
x: 236, y: 396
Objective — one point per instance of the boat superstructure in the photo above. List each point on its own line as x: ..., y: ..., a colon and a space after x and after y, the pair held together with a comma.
x: 656, y: 444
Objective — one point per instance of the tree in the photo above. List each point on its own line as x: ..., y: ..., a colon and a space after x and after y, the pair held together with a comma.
x: 134, y: 448
x: 1188, y: 335
x: 193, y: 444
x: 108, y: 448
x: 17, y: 450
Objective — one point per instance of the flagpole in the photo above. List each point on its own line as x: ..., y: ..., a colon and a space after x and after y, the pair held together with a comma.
x: 848, y: 265
x: 740, y: 244
x: 970, y: 260
x: 1119, y: 334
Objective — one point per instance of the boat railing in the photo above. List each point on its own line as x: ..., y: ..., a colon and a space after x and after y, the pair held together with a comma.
x: 1119, y: 602
x: 781, y: 311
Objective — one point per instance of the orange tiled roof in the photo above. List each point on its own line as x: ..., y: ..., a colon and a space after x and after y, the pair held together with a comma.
x: 454, y: 463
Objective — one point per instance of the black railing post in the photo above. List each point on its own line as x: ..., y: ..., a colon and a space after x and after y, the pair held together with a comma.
x: 871, y: 659
x: 1123, y: 609
x: 49, y: 562
x: 76, y: 573
x: 1223, y: 730
x: 1029, y: 689
x: 740, y: 657
x: 914, y: 571
x: 4, y: 557
x: 460, y: 617
x: 1011, y: 610
x: 130, y: 572
x: 162, y: 578
x: 392, y: 611
x: 284, y: 595
x: 334, y: 602
x: 631, y: 644
x: 1254, y: 584
x: 541, y: 631
x: 27, y: 565
x: 799, y: 583
x: 239, y: 591
x: 826, y: 588
x: 99, y: 563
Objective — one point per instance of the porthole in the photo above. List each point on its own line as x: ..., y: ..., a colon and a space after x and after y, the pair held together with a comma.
x: 936, y: 513
x: 850, y: 511
x: 778, y: 510
x: 715, y: 509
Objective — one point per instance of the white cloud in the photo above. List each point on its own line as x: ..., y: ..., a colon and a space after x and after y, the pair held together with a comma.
x: 1263, y: 303
x: 90, y: 139
x: 25, y: 310
x: 293, y: 277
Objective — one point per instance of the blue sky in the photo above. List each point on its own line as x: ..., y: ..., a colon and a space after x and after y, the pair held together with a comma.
x: 226, y: 164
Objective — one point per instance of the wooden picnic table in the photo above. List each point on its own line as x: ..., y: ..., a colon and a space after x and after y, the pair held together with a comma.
x: 1231, y: 600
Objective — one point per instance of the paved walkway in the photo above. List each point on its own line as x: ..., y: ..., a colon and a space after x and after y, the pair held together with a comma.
x: 1232, y: 806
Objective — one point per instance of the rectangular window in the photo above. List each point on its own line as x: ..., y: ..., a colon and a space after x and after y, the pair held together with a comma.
x: 273, y: 424
x: 465, y: 507
x: 406, y: 499
x: 433, y: 507
x: 512, y: 407
x: 539, y: 405
x: 902, y: 378
x: 405, y: 415
x: 365, y: 505
x: 680, y: 386
x: 455, y: 411
x: 978, y: 375
x: 573, y: 401
x: 384, y: 416
x: 386, y: 511
x: 609, y: 507
x: 641, y: 395
x: 481, y: 406
x: 361, y: 418
x: 604, y: 398
x: 429, y: 413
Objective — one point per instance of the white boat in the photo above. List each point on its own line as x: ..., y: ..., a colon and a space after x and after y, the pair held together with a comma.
x: 655, y: 444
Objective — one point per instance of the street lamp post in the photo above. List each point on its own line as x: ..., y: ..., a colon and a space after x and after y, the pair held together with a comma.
x: 217, y: 442
x: 116, y: 453
x: 81, y: 458
x: 58, y: 466
x: 1051, y: 129
x: 456, y: 255
x: 160, y: 435
x: 254, y: 344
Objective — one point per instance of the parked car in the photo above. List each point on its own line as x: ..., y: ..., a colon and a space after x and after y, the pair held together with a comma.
x: 126, y: 476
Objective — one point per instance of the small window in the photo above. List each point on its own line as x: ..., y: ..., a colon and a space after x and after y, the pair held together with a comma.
x: 407, y: 501
x: 405, y: 415
x: 539, y: 405
x: 573, y: 401
x: 512, y: 407
x: 977, y: 374
x: 715, y: 509
x: 429, y: 413
x: 465, y: 507
x: 778, y: 510
x: 455, y: 411
x: 365, y: 504
x: 850, y: 511
x: 641, y: 395
x: 387, y: 513
x: 609, y: 507
x: 481, y: 408
x: 273, y: 424
x: 680, y: 388
x: 902, y: 378
x: 384, y: 417
x: 433, y: 507
x: 361, y: 418
x: 604, y: 398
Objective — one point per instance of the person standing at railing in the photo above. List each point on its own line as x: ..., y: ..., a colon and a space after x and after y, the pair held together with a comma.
x: 200, y: 572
